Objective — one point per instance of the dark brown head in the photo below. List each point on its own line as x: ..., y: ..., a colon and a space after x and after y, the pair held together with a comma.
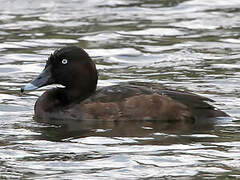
x: 69, y: 66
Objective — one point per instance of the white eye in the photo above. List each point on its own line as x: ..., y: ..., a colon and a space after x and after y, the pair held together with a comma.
x: 64, y: 61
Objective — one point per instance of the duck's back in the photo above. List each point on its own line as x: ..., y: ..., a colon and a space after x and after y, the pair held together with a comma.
x: 142, y: 101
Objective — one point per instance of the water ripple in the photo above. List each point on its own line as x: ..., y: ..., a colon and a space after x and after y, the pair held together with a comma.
x: 186, y: 44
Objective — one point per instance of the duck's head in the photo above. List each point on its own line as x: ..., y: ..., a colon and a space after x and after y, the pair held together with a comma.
x: 69, y: 66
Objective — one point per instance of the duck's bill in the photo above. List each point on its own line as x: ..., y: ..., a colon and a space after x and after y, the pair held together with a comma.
x: 44, y: 79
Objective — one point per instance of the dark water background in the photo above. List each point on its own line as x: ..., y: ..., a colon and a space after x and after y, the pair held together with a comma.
x: 192, y: 45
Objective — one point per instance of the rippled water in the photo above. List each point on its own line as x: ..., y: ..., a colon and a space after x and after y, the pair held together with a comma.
x: 192, y: 45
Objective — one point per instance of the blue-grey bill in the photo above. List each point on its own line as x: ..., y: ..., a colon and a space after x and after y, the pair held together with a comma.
x: 43, y: 79
x: 28, y: 87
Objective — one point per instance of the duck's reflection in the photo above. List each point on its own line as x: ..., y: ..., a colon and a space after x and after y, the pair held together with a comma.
x: 59, y: 130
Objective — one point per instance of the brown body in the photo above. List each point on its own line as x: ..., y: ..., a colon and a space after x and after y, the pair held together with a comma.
x: 129, y: 101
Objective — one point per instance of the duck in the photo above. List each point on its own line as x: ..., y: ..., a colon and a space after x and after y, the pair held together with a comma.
x: 79, y: 99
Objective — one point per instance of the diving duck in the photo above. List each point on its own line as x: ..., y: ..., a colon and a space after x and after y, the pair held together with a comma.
x: 78, y: 99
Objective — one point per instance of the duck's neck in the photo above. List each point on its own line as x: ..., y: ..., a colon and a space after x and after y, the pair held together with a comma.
x: 77, y: 94
x: 71, y: 95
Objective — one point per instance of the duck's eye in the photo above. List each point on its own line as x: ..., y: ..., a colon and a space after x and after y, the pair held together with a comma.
x: 64, y: 61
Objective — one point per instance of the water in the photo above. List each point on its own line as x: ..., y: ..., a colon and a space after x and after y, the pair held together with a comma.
x: 191, y: 45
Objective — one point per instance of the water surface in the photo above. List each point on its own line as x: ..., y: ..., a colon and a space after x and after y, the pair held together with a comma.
x: 185, y: 44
